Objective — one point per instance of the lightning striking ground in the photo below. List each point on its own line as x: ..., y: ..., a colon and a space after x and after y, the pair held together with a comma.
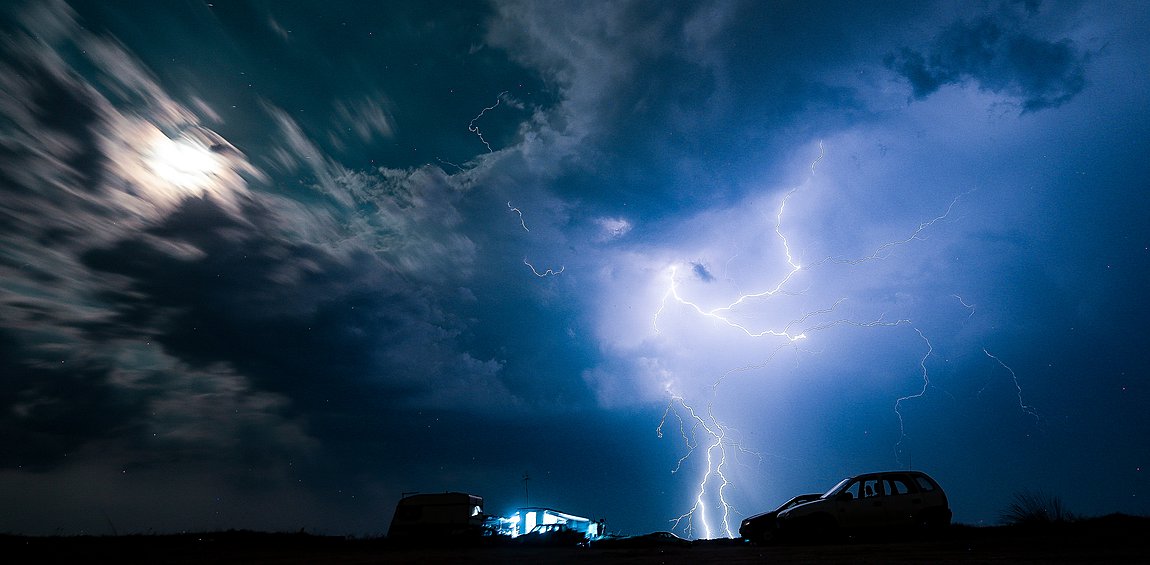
x: 706, y: 431
x: 715, y: 434
x: 719, y: 443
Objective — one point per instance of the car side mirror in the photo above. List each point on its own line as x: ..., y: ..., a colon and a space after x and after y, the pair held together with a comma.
x: 845, y: 496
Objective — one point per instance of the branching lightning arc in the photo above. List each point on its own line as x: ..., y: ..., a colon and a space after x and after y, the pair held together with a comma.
x: 703, y: 430
x: 718, y: 442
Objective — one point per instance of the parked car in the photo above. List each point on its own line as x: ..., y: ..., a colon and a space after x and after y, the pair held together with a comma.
x: 881, y: 504
x: 763, y: 528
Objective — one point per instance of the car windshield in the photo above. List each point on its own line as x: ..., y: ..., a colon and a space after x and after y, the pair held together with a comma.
x: 796, y: 501
x: 837, y: 488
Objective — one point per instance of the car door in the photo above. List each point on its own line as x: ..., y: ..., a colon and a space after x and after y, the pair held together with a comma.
x: 866, y: 506
x: 904, y: 501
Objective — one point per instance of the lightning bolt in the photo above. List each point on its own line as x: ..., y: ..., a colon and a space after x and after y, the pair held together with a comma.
x: 708, y: 433
x: 471, y: 127
x: 715, y: 435
x: 1028, y: 410
x: 884, y: 250
x: 456, y: 165
x: 547, y: 273
x: 969, y: 306
x: 717, y: 442
x: 898, y: 447
x: 517, y: 211
x: 718, y: 313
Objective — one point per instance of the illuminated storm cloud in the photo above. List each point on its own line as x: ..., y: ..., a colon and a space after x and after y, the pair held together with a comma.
x: 678, y: 263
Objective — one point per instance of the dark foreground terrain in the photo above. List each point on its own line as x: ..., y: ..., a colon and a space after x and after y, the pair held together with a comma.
x: 1110, y: 539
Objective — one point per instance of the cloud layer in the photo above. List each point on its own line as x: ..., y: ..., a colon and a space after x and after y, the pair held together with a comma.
x: 998, y: 57
x: 253, y: 253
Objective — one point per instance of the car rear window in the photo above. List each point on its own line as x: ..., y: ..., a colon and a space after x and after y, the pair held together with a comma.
x: 924, y: 483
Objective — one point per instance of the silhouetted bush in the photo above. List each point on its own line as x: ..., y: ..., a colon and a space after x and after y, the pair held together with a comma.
x: 1035, y: 508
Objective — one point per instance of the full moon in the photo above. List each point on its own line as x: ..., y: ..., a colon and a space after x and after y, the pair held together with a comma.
x: 183, y: 162
x: 153, y: 170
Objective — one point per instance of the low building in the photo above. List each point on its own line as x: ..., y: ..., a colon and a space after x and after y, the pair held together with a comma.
x: 524, y: 520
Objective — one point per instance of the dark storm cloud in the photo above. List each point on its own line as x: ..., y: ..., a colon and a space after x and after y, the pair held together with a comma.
x: 54, y: 121
x: 51, y: 405
x: 652, y: 81
x: 68, y: 117
x: 701, y: 271
x: 346, y: 298
x: 190, y: 317
x: 1000, y: 58
x: 318, y: 326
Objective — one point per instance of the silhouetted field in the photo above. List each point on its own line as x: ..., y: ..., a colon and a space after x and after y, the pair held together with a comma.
x: 1109, y: 539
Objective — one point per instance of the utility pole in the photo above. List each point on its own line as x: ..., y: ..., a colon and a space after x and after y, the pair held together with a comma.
x: 526, y: 491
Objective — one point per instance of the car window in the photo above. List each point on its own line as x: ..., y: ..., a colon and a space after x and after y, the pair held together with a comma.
x: 872, y: 487
x: 794, y: 502
x: 924, y: 483
x: 897, y: 485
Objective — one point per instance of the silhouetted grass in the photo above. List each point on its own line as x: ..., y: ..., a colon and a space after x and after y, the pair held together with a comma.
x: 1035, y: 508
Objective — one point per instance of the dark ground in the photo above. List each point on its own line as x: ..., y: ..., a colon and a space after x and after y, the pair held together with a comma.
x: 1111, y: 539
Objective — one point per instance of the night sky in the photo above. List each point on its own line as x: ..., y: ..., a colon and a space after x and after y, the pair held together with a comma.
x: 270, y: 265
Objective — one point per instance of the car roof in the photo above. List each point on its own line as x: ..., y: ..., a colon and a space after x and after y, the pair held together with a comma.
x: 893, y: 472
